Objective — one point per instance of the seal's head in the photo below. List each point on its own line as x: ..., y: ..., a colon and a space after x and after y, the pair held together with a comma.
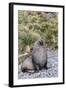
x: 40, y: 42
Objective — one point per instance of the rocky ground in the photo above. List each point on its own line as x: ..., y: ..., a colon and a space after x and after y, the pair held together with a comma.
x: 52, y: 70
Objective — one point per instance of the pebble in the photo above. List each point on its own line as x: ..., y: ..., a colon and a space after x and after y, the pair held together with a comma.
x: 52, y: 70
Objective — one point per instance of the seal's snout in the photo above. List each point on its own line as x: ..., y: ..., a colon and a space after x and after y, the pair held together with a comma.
x: 41, y: 42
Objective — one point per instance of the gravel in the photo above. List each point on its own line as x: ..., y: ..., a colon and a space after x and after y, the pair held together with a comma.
x: 52, y: 70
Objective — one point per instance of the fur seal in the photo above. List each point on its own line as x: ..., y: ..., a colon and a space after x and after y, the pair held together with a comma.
x: 39, y: 55
x: 27, y: 65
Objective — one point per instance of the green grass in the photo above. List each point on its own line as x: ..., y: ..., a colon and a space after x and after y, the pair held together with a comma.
x: 33, y: 25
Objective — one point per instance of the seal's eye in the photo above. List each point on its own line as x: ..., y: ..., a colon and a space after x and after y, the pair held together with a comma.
x: 41, y: 42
